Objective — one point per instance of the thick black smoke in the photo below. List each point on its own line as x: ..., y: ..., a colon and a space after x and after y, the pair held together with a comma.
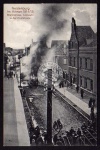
x: 41, y: 51
x: 53, y: 21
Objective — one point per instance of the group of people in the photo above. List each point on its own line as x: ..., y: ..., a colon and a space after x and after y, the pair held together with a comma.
x: 11, y: 74
x: 38, y: 137
x: 57, y: 125
x: 91, y: 127
x: 74, y: 136
x: 71, y: 134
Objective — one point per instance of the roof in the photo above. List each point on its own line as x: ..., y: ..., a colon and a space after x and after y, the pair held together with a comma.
x: 84, y: 32
x: 92, y: 44
x: 84, y: 35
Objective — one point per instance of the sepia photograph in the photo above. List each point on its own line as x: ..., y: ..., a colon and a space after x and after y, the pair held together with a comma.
x: 50, y: 74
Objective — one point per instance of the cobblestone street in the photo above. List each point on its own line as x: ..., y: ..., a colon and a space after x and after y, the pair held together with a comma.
x: 60, y: 110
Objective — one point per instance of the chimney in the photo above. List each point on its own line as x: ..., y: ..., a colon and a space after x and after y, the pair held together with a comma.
x: 73, y: 25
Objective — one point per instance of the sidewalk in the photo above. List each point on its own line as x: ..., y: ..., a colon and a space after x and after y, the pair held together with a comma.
x: 75, y: 99
x: 9, y: 115
x: 15, y: 129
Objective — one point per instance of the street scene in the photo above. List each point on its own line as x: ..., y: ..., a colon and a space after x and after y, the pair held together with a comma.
x: 50, y: 75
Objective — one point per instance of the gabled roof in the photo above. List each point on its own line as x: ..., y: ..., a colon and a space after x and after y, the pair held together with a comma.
x: 84, y: 32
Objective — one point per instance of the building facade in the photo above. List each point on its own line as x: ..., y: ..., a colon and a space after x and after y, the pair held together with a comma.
x: 61, y: 55
x: 83, y: 58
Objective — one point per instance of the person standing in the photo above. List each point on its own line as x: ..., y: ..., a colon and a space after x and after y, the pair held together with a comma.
x: 60, y: 126
x: 14, y: 75
x: 55, y: 138
x: 82, y: 92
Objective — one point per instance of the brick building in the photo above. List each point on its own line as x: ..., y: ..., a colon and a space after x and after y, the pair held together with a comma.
x: 61, y: 55
x: 83, y: 58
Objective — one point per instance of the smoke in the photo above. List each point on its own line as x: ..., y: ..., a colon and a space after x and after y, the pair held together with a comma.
x: 27, y: 60
x: 52, y: 21
x: 53, y: 16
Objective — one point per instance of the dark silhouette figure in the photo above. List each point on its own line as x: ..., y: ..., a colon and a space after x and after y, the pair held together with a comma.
x: 92, y: 116
x: 84, y: 127
x: 71, y: 131
x: 59, y: 124
x: 90, y: 102
x: 55, y: 138
x: 82, y: 92
x: 8, y: 77
x: 70, y: 81
x: 77, y: 89
x: 39, y: 140
x: 79, y: 132
x: 45, y: 137
x: 14, y: 75
x: 55, y: 125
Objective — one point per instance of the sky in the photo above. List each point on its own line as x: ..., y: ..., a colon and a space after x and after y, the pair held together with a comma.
x: 19, y: 33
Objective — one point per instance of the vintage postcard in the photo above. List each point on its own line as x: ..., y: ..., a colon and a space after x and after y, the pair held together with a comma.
x: 50, y: 74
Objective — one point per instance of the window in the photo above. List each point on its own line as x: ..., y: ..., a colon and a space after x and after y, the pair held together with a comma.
x: 85, y: 63
x: 80, y: 80
x: 65, y: 61
x: 91, y: 64
x: 80, y: 62
x: 74, y: 61
x: 85, y: 82
x: 91, y: 85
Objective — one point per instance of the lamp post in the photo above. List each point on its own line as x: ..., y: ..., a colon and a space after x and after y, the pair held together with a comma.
x: 77, y: 65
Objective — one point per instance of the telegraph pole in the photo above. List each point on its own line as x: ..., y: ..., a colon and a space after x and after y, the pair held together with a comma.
x: 49, y: 108
x: 78, y: 65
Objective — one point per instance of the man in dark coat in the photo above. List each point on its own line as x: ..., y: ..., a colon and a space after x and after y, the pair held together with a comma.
x: 82, y: 92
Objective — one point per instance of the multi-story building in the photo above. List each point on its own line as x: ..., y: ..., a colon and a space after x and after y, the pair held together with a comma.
x: 61, y: 55
x: 83, y: 58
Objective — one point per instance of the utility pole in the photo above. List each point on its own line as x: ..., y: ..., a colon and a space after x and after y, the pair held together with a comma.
x: 49, y: 108
x: 77, y: 65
